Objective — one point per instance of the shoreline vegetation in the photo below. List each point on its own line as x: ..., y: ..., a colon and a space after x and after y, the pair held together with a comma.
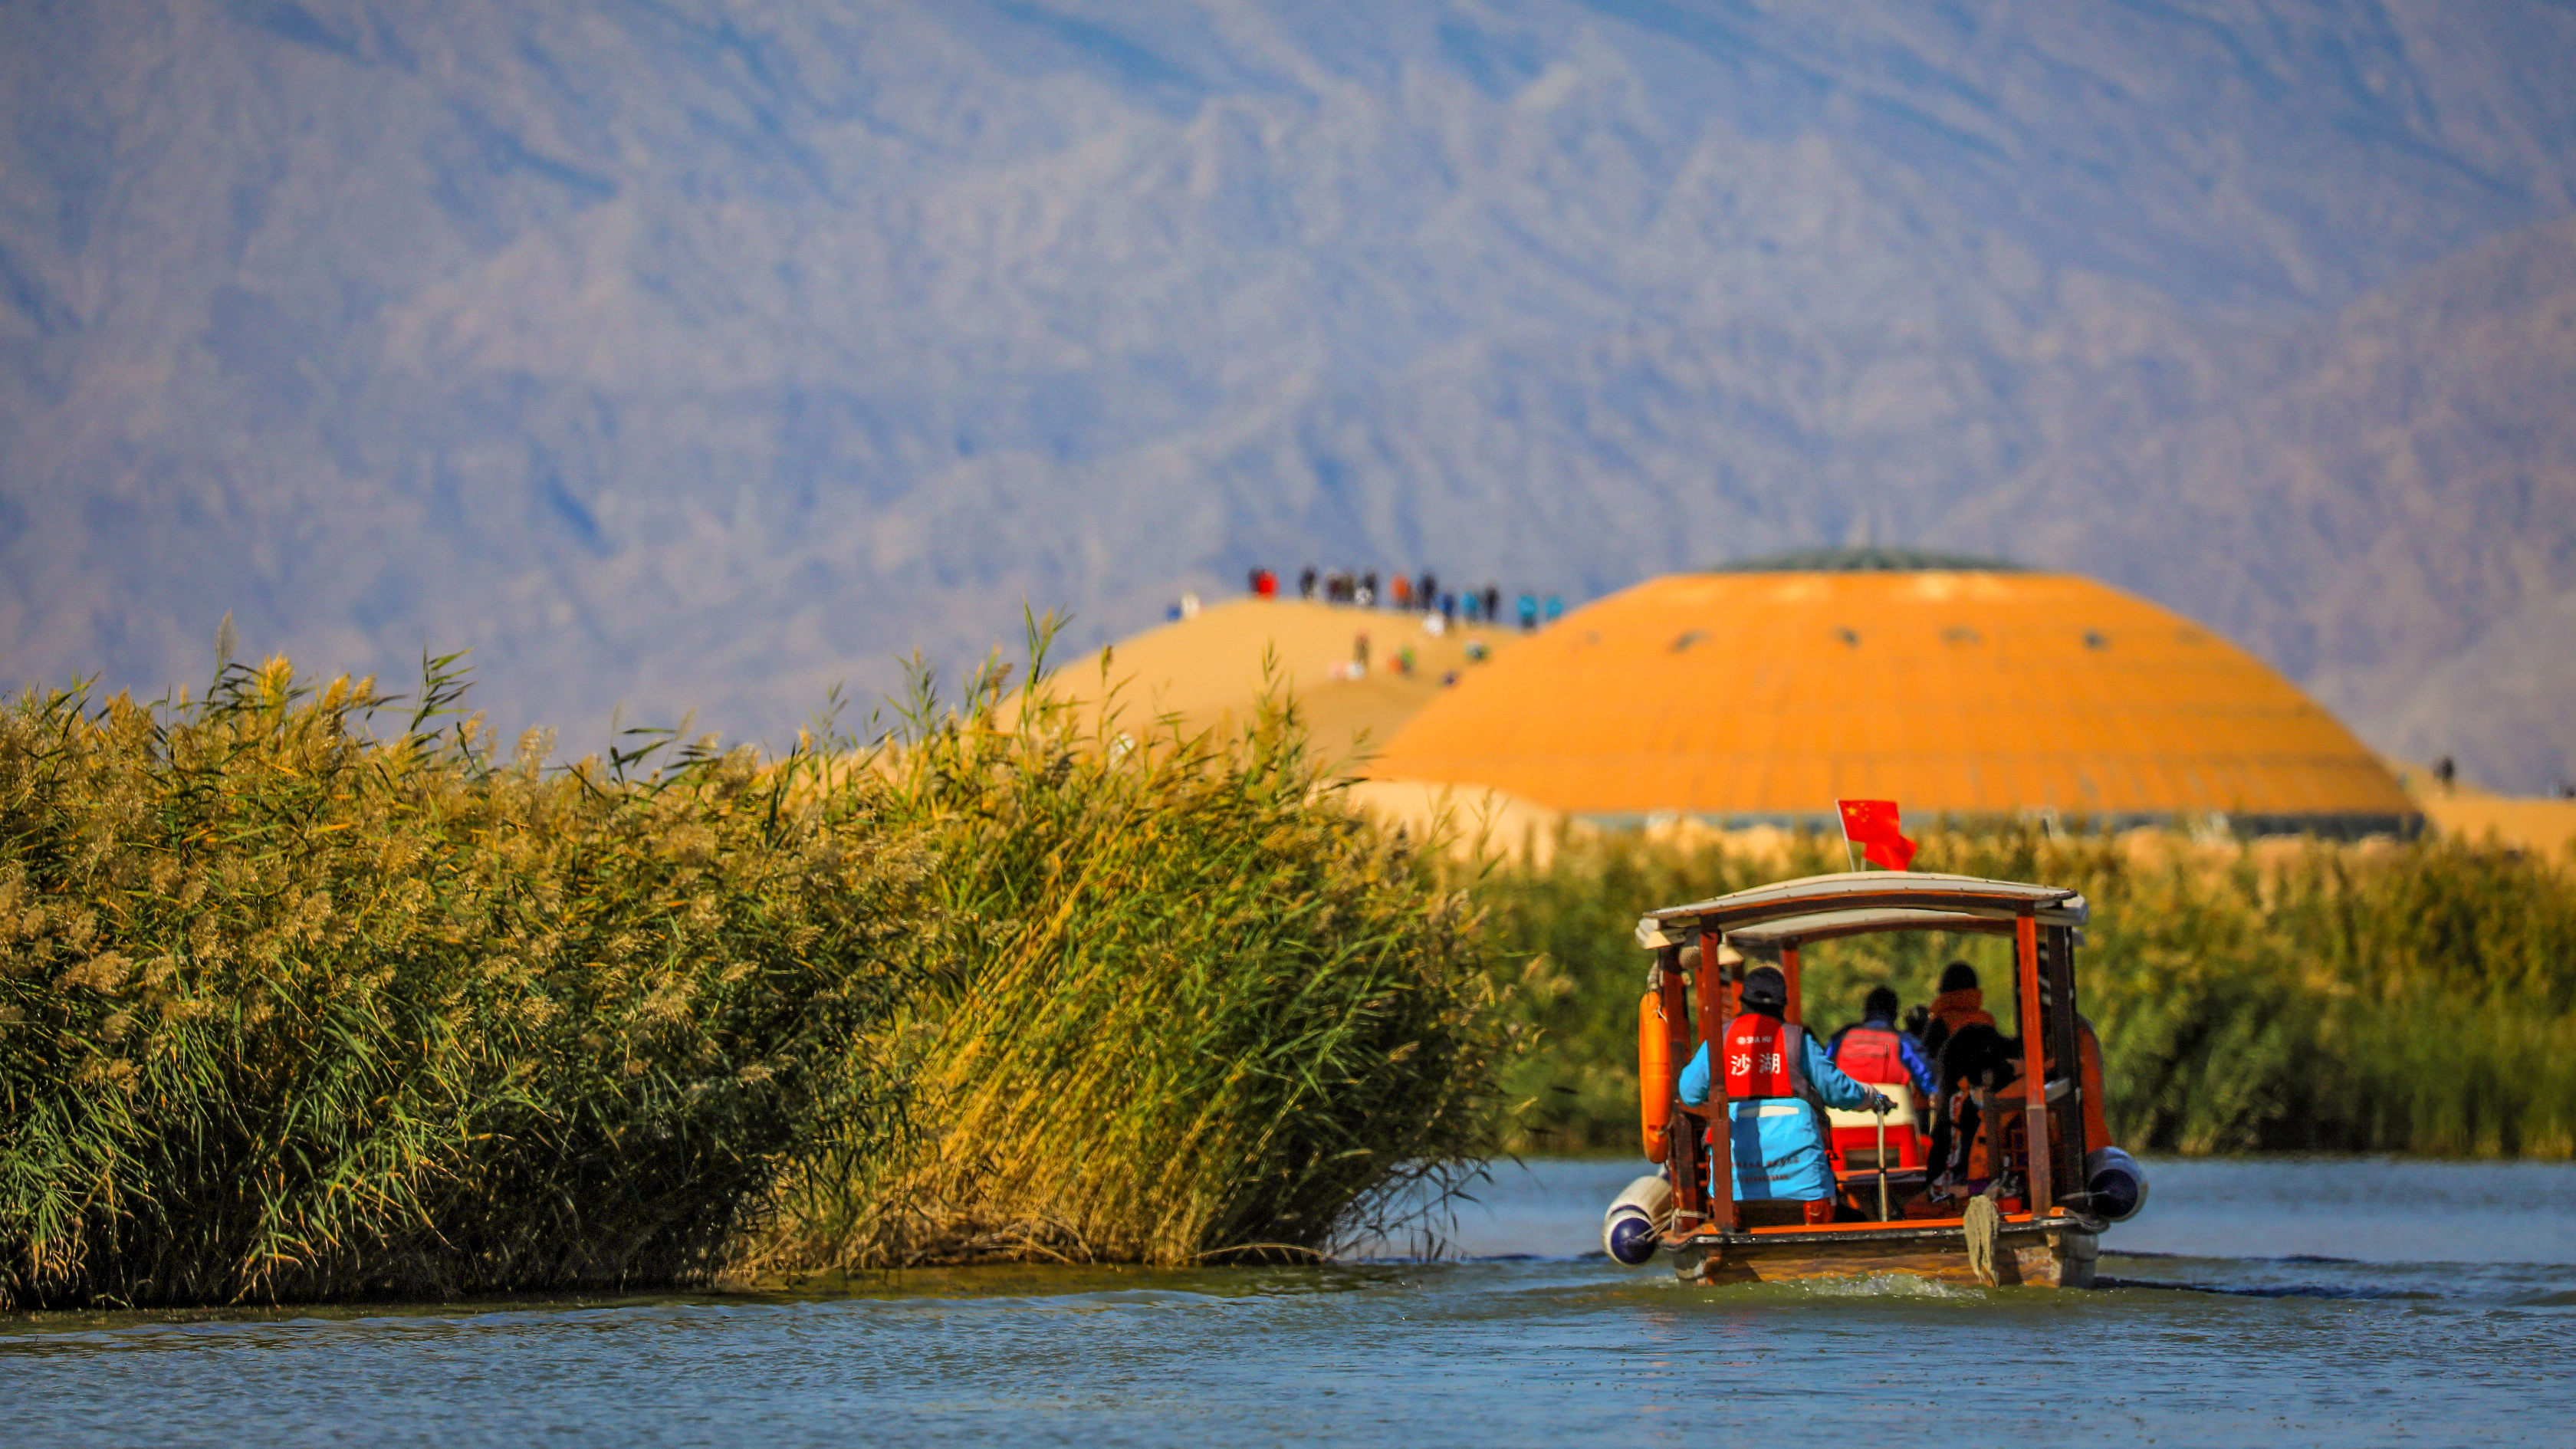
x: 309, y: 992
x: 1192, y: 1007
x: 2273, y: 995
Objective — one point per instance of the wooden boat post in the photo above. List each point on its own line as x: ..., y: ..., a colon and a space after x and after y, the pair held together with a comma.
x: 1681, y: 1142
x: 1721, y: 1127
x: 2066, y: 1047
x: 2034, y: 1091
x: 1708, y: 990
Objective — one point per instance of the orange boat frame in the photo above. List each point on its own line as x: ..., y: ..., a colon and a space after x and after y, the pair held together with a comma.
x: 2054, y: 1246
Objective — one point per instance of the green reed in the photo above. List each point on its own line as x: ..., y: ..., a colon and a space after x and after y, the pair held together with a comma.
x: 291, y: 1010
x: 304, y: 995
x: 2416, y: 998
x: 1198, y: 1008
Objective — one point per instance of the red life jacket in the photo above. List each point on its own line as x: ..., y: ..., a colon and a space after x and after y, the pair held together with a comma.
x: 1757, y: 1059
x: 1870, y: 1054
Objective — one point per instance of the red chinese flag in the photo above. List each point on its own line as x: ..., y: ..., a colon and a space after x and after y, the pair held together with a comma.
x: 1871, y: 825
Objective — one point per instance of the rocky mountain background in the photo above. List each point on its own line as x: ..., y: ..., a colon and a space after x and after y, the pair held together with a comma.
x: 693, y: 356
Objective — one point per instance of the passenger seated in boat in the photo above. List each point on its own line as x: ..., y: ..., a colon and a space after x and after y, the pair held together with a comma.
x: 1773, y: 1071
x: 2088, y: 1067
x: 1982, y: 1061
x: 1959, y: 1004
x: 1975, y: 1062
x: 1872, y: 1050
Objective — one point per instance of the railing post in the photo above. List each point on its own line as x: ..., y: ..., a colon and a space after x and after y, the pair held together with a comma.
x: 1721, y: 1133
x: 1682, y: 1154
x: 2066, y: 1049
x: 2034, y: 1078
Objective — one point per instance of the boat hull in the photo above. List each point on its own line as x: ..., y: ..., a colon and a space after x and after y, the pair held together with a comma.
x: 2038, y: 1255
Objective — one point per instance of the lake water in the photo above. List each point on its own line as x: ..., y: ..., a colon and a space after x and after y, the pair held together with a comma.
x: 2291, y: 1302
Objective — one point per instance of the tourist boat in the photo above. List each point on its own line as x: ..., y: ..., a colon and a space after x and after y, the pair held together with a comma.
x: 2045, y: 1193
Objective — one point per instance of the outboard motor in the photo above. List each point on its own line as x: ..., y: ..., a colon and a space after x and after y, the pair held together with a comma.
x: 2116, y: 1184
x: 1636, y: 1220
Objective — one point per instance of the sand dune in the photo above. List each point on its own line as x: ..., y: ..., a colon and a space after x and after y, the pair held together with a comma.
x: 1475, y: 820
x: 2542, y: 826
x: 1210, y: 669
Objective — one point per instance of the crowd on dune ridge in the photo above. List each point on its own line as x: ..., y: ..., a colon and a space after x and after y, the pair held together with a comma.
x: 1406, y: 593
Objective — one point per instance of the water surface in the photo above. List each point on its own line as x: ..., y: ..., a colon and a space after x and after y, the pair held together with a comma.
x: 2309, y: 1301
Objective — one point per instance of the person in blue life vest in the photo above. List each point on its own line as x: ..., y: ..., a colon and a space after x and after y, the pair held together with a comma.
x: 1775, y: 1076
x: 1873, y: 1050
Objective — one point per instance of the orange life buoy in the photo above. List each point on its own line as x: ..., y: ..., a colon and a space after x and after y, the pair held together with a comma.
x: 1654, y: 1074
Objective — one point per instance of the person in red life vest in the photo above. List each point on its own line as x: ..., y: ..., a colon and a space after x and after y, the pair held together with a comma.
x: 1776, y: 1075
x: 1873, y: 1050
x: 1959, y: 1004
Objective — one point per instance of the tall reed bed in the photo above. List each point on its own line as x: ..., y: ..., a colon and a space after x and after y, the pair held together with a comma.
x: 289, y: 1009
x: 306, y: 995
x: 1199, y: 1009
x: 2416, y: 998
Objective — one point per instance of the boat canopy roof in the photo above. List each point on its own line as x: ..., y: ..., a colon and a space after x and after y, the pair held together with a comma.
x: 1821, y: 907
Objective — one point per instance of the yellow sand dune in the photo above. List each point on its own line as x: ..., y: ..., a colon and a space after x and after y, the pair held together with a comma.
x: 2541, y: 826
x: 1208, y: 670
x: 1479, y: 822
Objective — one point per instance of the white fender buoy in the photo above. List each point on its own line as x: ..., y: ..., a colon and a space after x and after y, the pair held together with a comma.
x: 1637, y: 1218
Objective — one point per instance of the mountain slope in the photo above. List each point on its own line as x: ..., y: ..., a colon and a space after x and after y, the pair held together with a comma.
x: 2383, y: 498
x: 697, y: 356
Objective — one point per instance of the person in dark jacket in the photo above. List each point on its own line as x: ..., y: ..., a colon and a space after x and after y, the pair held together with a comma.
x: 1960, y: 1004
x: 1977, y: 1058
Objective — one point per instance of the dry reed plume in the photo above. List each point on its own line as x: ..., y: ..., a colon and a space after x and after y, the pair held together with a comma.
x: 1203, y: 1011
x: 291, y: 1011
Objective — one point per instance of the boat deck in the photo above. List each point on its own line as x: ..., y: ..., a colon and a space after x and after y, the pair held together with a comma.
x: 2056, y: 1251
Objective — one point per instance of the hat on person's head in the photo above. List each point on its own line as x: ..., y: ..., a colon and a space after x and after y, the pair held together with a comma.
x: 1959, y: 976
x: 1766, y: 987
